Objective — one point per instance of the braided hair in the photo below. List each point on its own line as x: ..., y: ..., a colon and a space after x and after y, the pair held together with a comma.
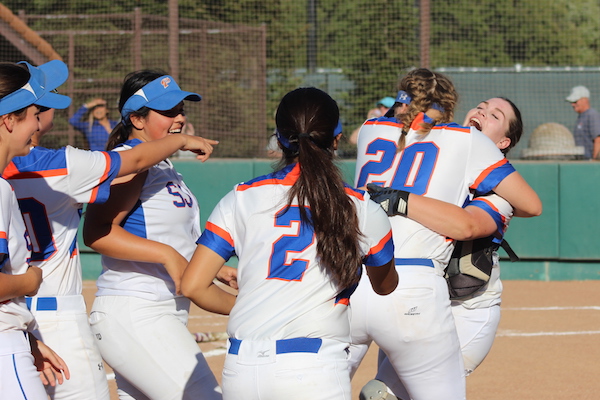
x: 428, y: 90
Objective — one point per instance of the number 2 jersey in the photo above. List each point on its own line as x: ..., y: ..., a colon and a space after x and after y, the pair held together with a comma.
x: 447, y: 164
x: 283, y: 290
x: 51, y: 185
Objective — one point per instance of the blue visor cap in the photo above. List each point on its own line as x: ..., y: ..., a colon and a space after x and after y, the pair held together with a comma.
x: 37, y: 90
x: 403, y: 97
x: 161, y: 94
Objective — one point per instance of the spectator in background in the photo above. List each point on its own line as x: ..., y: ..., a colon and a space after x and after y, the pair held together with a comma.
x: 380, y: 109
x: 97, y: 127
x: 587, y: 129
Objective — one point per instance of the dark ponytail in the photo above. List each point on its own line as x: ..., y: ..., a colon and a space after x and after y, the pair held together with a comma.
x: 306, y: 119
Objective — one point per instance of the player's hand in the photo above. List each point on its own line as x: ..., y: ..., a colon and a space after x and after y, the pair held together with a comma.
x: 52, y: 368
x: 175, y: 267
x: 228, y: 276
x: 393, y: 201
x: 202, y: 147
x: 34, y: 276
x: 95, y: 102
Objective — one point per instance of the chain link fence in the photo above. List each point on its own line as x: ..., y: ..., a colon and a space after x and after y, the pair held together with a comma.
x: 243, y: 56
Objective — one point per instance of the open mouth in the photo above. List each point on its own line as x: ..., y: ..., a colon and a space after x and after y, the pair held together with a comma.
x: 474, y: 122
x: 173, y: 131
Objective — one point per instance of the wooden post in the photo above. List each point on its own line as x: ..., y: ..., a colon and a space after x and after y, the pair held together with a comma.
x: 425, y: 32
x: 136, y: 45
x: 174, y: 38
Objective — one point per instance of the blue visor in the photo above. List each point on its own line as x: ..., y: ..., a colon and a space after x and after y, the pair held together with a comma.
x: 38, y: 90
x: 161, y: 94
x: 403, y: 97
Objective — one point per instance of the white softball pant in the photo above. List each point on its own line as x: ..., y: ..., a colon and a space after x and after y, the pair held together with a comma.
x: 291, y: 369
x: 19, y: 379
x: 150, y: 349
x: 476, y: 332
x: 415, y: 328
x: 64, y: 327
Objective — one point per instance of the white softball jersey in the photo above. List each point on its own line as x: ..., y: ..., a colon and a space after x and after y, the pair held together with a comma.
x: 283, y: 290
x: 51, y: 186
x: 166, y: 212
x: 445, y: 164
x: 15, y: 250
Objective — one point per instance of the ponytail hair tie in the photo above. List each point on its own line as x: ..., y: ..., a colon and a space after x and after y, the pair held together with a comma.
x: 304, y: 135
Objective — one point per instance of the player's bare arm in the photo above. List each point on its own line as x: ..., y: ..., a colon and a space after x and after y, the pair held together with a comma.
x: 103, y: 233
x: 384, y: 278
x: 450, y: 220
x: 27, y: 284
x: 444, y: 218
x: 147, y: 154
x: 198, y: 282
x: 52, y: 368
x: 520, y: 195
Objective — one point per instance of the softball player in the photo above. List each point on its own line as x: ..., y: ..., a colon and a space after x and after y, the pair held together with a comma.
x: 20, y: 98
x: 51, y: 186
x: 476, y: 317
x: 146, y: 234
x: 414, y: 326
x: 300, y: 236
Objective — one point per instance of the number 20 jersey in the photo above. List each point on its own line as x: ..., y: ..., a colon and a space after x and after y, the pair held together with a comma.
x: 51, y: 185
x: 283, y: 291
x: 446, y: 164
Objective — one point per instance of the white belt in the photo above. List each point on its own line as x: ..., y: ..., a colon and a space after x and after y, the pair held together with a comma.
x: 58, y: 303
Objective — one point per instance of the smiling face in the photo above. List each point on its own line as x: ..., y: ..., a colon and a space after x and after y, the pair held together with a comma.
x: 19, y: 131
x: 492, y: 117
x: 158, y: 124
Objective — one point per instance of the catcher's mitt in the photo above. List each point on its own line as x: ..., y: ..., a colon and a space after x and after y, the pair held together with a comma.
x: 470, y: 267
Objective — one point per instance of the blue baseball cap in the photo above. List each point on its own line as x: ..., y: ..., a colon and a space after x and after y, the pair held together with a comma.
x: 161, y: 94
x: 38, y: 90
x: 386, y: 102
x: 403, y: 97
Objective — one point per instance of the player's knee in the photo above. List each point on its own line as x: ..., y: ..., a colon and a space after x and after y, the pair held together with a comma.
x: 375, y: 390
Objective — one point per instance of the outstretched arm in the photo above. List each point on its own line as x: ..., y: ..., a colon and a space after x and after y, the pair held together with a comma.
x: 147, y: 154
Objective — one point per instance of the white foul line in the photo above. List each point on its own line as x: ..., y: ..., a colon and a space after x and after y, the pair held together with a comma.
x: 549, y: 308
x: 532, y: 334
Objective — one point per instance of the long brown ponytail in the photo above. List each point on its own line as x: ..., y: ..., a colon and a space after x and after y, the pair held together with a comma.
x: 306, y: 119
